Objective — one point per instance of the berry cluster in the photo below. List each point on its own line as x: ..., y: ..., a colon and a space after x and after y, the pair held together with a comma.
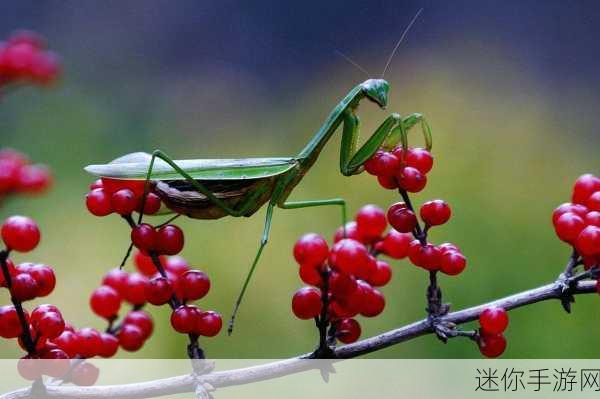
x: 493, y: 322
x: 162, y: 277
x: 18, y: 175
x: 24, y: 58
x: 399, y: 168
x: 43, y: 334
x: 344, y: 277
x: 578, y: 222
x: 120, y: 196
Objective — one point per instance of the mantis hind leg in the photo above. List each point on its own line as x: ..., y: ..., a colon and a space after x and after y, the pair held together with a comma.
x: 307, y: 204
x: 263, y: 242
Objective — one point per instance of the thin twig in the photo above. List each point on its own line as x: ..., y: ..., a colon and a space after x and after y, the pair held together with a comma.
x: 188, y: 383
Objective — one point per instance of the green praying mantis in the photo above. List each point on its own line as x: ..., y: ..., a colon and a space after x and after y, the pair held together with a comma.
x: 216, y: 188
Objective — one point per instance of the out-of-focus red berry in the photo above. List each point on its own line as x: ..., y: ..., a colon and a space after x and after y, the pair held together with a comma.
x: 89, y: 342
x: 169, y: 240
x: 85, y: 375
x: 387, y: 182
x: 185, y: 318
x: 568, y: 226
x: 493, y: 320
x: 208, y: 324
x: 584, y: 187
x: 395, y: 244
x: 98, y: 202
x: 588, y: 241
x: 382, y: 275
x: 144, y: 237
x: 347, y: 331
x: 159, y: 291
x: 492, y: 345
x: 452, y: 263
x: 117, y: 279
x: 370, y: 222
x: 10, y: 325
x: 110, y: 345
x: 374, y: 303
x: 141, y: 319
x: 411, y: 180
x: 382, y: 163
x: 348, y: 256
x: 310, y: 274
x: 105, y: 301
x: 192, y: 285
x: 135, y: 291
x: 124, y: 201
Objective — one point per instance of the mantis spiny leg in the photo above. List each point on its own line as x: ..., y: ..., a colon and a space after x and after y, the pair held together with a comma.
x: 416, y: 118
x: 351, y: 159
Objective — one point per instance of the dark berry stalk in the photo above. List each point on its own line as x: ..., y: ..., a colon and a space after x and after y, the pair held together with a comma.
x: 193, y: 349
x: 26, y: 335
x: 324, y: 351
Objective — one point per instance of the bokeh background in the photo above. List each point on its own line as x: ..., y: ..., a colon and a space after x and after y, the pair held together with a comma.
x: 511, y: 90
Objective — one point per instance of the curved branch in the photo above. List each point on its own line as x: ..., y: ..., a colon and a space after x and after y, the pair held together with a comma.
x: 187, y: 383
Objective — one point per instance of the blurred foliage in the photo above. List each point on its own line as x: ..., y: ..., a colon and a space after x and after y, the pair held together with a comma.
x: 507, y: 148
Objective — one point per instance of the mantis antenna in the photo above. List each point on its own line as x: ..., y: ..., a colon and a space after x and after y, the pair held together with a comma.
x: 344, y: 56
x: 389, y: 61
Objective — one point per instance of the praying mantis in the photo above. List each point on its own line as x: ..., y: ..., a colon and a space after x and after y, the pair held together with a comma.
x: 216, y: 188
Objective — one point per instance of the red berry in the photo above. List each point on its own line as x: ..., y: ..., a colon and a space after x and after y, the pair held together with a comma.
x: 176, y: 265
x: 419, y: 158
x: 98, y: 202
x: 89, y: 342
x: 159, y: 291
x: 68, y: 342
x: 41, y: 310
x: 85, y: 374
x: 350, y: 230
x: 117, y: 279
x: 577, y: 209
x: 374, y: 302
x: 592, y: 218
x: 193, y: 285
x: 110, y: 345
x: 29, y: 367
x: 34, y: 179
x: 45, y: 279
x: 9, y: 175
x: 131, y: 337
x: 452, y: 263
x: 96, y: 184
x: 169, y: 240
x: 347, y: 330
x: 50, y: 325
x: 493, y: 320
x: 427, y: 256
x: 105, y: 302
x: 311, y: 249
x: 306, y: 303
x: 382, y: 275
x: 341, y: 284
x: 435, y: 213
x: 568, y: 226
x: 348, y: 256
x: 389, y: 183
x: 310, y: 274
x: 10, y: 325
x: 185, y: 318
x: 56, y: 363
x: 370, y: 222
x: 395, y: 244
x: 24, y: 287
x: 144, y: 237
x: 588, y: 241
x: 445, y: 247
x: 142, y: 320
x: 411, y: 180
x: 11, y: 271
x: 492, y: 345
x: 20, y: 233
x: 401, y: 218
x: 124, y: 201
x: 152, y: 204
x: 208, y: 324
x: 382, y: 163
x: 135, y: 291
x: 145, y: 264
x: 584, y: 187
x: 593, y: 202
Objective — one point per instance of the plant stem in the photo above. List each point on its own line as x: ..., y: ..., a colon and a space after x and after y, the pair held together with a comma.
x: 194, y: 350
x: 28, y: 341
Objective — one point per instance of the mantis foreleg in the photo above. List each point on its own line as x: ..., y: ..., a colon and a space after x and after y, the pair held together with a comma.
x: 351, y: 159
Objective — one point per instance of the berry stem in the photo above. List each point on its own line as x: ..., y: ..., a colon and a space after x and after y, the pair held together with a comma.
x: 324, y: 351
x: 193, y: 349
x: 26, y: 335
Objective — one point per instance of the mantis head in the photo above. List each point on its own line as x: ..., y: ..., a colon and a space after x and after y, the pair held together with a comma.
x: 376, y: 90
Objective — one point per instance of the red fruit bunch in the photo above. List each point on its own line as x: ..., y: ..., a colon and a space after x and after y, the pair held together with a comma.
x: 348, y: 272
x: 399, y: 168
x: 19, y: 176
x: 122, y: 197
x: 578, y: 222
x: 43, y: 334
x: 25, y: 59
x: 493, y: 322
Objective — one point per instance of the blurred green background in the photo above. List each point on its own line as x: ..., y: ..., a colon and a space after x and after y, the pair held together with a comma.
x: 510, y: 90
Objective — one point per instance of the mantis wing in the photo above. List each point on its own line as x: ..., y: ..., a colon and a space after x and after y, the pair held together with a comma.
x: 134, y: 166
